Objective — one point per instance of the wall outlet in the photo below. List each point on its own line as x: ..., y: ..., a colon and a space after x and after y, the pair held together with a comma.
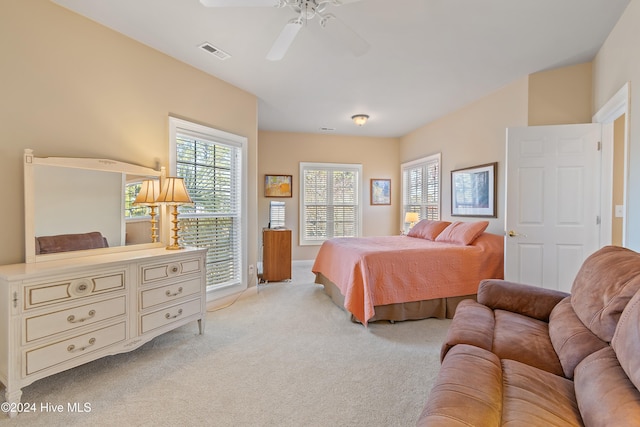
x: 251, y: 270
x: 619, y: 211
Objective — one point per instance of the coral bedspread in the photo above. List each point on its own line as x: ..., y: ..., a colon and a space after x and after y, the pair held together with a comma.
x: 373, y: 271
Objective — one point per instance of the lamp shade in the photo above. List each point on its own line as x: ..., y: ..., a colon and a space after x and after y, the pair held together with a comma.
x: 174, y: 191
x: 411, y: 217
x: 149, y: 191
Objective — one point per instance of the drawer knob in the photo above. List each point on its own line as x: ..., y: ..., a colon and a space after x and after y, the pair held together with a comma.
x: 173, y: 269
x: 169, y: 294
x: 168, y: 316
x: 80, y: 287
x: 72, y: 348
x: 72, y: 318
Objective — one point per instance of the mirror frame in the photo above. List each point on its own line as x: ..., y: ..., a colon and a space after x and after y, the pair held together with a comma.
x: 104, y: 165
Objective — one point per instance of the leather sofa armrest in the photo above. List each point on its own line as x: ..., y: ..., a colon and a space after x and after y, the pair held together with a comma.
x: 523, y: 299
x: 472, y: 324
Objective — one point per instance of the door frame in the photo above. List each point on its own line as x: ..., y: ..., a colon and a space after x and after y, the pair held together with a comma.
x: 615, y: 107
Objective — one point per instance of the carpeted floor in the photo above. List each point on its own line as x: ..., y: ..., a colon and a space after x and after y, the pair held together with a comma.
x: 282, y: 356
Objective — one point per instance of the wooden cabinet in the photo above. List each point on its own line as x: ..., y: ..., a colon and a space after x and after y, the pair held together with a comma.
x: 276, y: 255
x: 56, y: 315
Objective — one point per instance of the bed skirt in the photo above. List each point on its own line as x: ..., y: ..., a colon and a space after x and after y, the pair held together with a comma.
x: 441, y: 308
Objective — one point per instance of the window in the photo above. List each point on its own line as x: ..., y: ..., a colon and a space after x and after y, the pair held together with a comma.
x: 132, y: 211
x: 421, y: 188
x: 213, y: 167
x: 329, y: 201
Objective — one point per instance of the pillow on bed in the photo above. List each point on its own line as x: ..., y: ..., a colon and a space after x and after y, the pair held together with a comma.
x: 428, y: 229
x: 463, y: 233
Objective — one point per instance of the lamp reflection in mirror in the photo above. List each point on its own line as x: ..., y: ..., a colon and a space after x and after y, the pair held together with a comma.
x: 149, y: 191
x: 411, y: 218
x: 174, y: 193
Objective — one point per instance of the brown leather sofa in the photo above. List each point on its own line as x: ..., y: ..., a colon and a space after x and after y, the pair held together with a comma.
x: 70, y: 242
x: 527, y: 356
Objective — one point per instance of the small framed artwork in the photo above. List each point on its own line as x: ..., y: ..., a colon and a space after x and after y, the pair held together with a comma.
x: 277, y: 185
x: 473, y: 191
x: 380, y: 191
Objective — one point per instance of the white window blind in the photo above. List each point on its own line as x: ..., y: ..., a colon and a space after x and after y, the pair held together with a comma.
x: 212, y: 171
x: 130, y: 210
x: 276, y: 214
x: 421, y: 188
x: 329, y: 202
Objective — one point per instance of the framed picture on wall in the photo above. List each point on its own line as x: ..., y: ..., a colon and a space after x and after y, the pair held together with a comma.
x: 277, y: 185
x: 380, y: 191
x: 473, y: 191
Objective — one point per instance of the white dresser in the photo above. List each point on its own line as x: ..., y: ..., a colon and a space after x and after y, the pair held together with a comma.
x: 56, y: 315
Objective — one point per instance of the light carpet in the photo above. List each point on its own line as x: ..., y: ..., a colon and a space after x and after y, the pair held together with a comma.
x: 282, y: 356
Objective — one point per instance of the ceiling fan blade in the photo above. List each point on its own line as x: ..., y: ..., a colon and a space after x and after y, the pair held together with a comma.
x: 284, y: 40
x: 344, y: 35
x: 240, y: 3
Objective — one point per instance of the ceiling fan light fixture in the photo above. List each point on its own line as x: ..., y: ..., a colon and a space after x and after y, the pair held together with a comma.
x: 360, y: 119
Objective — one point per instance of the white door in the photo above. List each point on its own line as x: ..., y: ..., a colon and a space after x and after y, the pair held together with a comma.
x: 552, y: 202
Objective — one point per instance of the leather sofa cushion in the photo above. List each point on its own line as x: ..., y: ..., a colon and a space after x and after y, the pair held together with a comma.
x: 467, y: 391
x: 509, y: 335
x: 626, y: 341
x: 571, y: 340
x: 604, y: 393
x: 476, y: 388
x: 602, y: 288
x: 526, y: 340
x: 70, y: 242
x: 532, y: 397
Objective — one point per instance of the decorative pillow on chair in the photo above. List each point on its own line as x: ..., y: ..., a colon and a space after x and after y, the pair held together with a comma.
x: 428, y: 229
x: 463, y: 233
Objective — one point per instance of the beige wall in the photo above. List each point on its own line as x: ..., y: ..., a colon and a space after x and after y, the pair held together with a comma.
x: 473, y: 135
x: 561, y: 96
x: 280, y: 153
x: 617, y: 63
x: 618, y: 180
x: 71, y: 87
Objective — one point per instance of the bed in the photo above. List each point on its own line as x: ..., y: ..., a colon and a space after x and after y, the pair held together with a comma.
x: 423, y: 274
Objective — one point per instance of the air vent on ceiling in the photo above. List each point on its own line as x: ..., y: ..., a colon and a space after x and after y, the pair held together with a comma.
x: 327, y: 129
x: 218, y: 53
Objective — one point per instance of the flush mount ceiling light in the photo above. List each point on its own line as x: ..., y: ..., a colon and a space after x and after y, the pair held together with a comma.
x: 360, y: 119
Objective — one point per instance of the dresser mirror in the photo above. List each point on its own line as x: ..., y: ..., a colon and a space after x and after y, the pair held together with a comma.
x: 85, y: 200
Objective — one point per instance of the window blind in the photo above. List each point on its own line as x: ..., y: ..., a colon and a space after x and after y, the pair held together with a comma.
x: 330, y: 202
x: 421, y: 188
x: 212, y: 175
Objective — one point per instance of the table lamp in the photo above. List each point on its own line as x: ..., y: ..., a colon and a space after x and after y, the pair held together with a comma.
x: 149, y: 191
x: 174, y: 193
x: 411, y: 218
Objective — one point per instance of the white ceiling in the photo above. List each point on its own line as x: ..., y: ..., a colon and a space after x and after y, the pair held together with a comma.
x: 426, y: 58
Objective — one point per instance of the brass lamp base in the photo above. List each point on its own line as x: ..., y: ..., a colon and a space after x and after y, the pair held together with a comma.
x: 175, y: 229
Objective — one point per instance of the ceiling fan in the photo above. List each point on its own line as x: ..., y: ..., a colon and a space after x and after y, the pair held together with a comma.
x: 306, y: 10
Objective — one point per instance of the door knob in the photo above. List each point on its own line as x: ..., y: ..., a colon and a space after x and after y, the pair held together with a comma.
x: 512, y: 233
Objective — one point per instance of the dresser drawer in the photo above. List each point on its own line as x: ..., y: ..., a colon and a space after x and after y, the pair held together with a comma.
x: 64, y: 320
x: 66, y: 289
x: 171, y: 292
x: 62, y: 351
x: 168, y: 315
x: 151, y: 273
